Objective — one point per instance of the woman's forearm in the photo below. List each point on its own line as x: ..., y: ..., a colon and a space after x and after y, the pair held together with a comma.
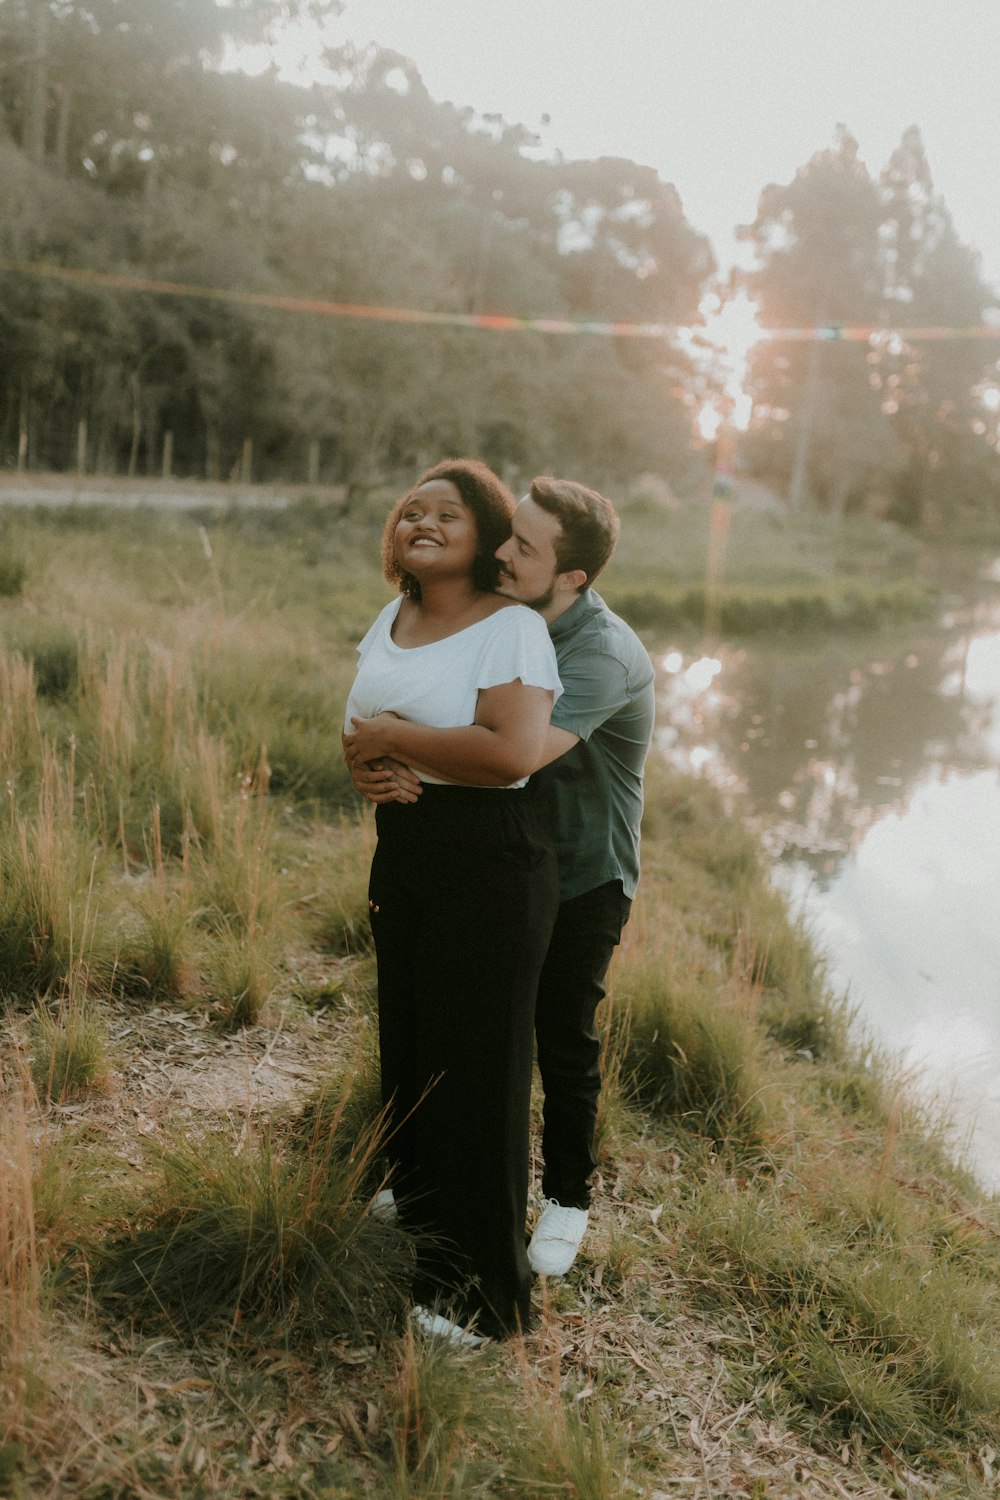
x: 471, y: 754
x: 503, y: 745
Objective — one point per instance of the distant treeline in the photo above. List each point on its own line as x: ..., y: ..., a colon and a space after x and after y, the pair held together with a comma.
x: 124, y: 150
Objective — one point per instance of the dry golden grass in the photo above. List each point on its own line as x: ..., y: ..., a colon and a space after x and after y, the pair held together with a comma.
x: 173, y: 856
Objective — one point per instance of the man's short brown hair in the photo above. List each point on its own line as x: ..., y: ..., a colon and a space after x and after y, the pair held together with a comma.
x: 589, y: 524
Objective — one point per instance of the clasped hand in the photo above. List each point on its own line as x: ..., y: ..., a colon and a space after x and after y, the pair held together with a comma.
x: 375, y: 775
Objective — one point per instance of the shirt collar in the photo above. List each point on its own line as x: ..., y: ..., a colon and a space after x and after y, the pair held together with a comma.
x: 584, y: 608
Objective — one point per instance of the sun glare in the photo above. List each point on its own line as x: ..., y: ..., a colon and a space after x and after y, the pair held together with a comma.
x: 295, y: 52
x: 731, y: 329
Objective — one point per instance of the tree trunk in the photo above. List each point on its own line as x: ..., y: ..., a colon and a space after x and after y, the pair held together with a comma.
x: 62, y: 130
x: 133, y: 456
x: 838, y: 500
x: 22, y: 432
x: 211, y: 454
x: 810, y: 395
x: 150, y: 197
x: 34, y: 132
x: 800, y: 465
x: 152, y: 437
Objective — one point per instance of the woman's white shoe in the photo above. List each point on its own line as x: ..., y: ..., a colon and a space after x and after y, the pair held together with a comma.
x: 384, y: 1206
x: 435, y: 1326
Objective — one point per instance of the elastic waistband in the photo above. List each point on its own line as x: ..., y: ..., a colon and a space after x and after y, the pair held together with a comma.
x: 436, y: 789
x: 472, y: 808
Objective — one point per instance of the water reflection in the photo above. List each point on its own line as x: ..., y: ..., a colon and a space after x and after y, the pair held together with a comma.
x: 828, y: 739
x: 910, y: 926
x: 874, y: 778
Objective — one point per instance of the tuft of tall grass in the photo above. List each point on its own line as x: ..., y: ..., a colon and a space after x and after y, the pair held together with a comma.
x: 238, y: 973
x: 46, y: 888
x: 345, y: 1108
x: 568, y: 1445
x: 436, y: 1419
x: 287, y: 693
x: 692, y: 1051
x: 239, y: 905
x: 617, y: 1119
x: 20, y: 1274
x: 245, y: 1231
x: 234, y: 871
x: 20, y: 731
x: 336, y: 900
x: 778, y: 958
x: 52, y: 649
x: 300, y: 724
x: 69, y: 1049
x: 13, y: 573
x: 156, y: 961
x: 72, y: 1194
x: 708, y: 858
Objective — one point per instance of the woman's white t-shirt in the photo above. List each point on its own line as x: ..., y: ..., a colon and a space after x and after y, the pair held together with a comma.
x: 439, y: 684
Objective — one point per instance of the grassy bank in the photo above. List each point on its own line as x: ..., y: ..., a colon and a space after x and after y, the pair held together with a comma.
x: 735, y: 570
x: 788, y: 1289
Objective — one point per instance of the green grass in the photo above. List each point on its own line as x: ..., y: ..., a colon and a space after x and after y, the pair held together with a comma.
x: 764, y: 572
x: 69, y: 1050
x: 284, y: 1238
x: 13, y: 572
x: 784, y: 1261
x: 866, y: 1325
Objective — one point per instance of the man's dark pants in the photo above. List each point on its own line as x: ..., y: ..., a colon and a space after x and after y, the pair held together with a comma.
x: 587, y: 931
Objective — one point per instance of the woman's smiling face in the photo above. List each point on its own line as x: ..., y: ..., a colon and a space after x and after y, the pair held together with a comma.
x: 436, y: 533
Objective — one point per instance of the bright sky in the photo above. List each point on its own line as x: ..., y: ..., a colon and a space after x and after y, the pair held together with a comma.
x: 723, y: 96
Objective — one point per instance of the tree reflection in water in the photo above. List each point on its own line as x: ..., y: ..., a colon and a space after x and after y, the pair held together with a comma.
x: 872, y: 770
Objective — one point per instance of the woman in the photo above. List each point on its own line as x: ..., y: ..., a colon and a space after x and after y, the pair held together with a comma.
x: 462, y: 898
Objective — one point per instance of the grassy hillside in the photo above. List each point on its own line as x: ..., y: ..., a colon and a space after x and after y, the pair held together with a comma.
x: 788, y: 1289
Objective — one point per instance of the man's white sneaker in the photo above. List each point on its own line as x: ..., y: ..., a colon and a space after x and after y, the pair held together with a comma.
x: 435, y: 1326
x: 384, y: 1207
x: 556, y: 1238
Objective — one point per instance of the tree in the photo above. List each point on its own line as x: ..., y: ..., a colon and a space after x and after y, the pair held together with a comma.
x: 893, y: 423
x: 818, y: 425
x: 929, y: 387
x: 157, y: 165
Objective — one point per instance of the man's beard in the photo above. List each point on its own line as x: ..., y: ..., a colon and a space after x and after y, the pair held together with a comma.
x: 541, y: 601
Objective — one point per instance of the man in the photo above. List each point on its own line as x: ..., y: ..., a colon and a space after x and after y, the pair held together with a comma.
x: 591, y: 776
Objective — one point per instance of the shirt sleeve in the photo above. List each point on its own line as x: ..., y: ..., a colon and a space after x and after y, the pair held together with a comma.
x: 595, y: 686
x: 375, y: 629
x: 519, y: 648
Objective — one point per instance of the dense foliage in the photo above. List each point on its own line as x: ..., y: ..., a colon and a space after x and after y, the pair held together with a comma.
x: 123, y: 148
x: 905, y: 426
x: 128, y: 150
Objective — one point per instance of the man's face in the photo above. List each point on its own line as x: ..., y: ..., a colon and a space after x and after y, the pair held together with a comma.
x: 528, y: 566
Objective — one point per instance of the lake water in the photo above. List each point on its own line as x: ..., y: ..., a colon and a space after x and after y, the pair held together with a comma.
x: 871, y: 768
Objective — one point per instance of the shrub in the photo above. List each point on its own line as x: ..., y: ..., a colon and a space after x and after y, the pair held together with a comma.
x: 242, y: 1230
